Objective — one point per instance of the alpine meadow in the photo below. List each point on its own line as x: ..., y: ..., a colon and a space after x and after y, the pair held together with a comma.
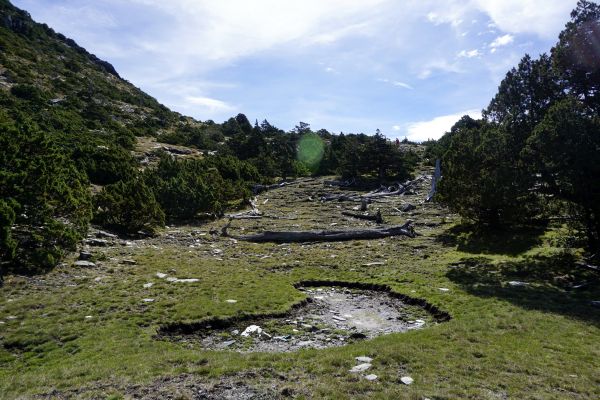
x: 148, y: 253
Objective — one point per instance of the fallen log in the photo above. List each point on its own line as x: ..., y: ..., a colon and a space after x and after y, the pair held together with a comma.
x: 376, y: 218
x: 324, y: 236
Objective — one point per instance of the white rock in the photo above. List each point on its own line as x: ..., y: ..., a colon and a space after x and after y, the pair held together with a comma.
x: 11, y: 317
x: 230, y: 301
x: 373, y: 264
x: 363, y: 359
x: 148, y: 285
x: 252, y: 329
x: 98, y: 279
x: 443, y: 289
x: 88, y: 317
x: 171, y: 279
x: 84, y: 264
x: 338, y: 318
x: 371, y: 377
x: 518, y: 283
x: 407, y: 380
x: 188, y: 280
x: 360, y: 367
x: 161, y: 275
x: 148, y: 300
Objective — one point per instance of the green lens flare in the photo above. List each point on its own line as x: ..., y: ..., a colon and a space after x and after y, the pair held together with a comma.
x: 310, y: 150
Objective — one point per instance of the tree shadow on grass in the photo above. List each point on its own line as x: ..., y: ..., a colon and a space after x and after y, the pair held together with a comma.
x: 476, y: 240
x: 550, y: 284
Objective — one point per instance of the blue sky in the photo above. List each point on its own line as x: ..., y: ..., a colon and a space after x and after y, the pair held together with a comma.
x: 410, y: 68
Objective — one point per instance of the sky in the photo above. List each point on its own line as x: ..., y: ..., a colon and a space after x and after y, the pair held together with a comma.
x: 410, y: 68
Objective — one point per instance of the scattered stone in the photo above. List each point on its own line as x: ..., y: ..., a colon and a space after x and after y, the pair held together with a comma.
x: 148, y: 300
x: 188, y: 280
x: 88, y: 317
x: 407, y: 380
x: 235, y: 332
x: 216, y: 252
x: 11, y: 317
x: 443, y: 289
x: 407, y: 207
x: 371, y: 377
x: 358, y: 335
x: 228, y: 343
x: 374, y: 263
x: 84, y: 255
x: 252, y: 329
x: 84, y: 264
x: 98, y: 279
x: 360, y: 368
x: 129, y: 262
x: 305, y: 343
x: 419, y: 323
x: 338, y: 318
x: 172, y: 279
x: 148, y: 285
x: 363, y: 359
x: 96, y: 242
x: 103, y: 234
x: 230, y: 301
x: 518, y: 283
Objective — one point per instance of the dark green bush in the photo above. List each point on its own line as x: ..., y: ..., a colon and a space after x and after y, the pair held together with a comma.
x: 129, y: 207
x: 45, y: 203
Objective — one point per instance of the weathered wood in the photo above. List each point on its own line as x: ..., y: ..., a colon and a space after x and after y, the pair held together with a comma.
x: 437, y: 175
x: 397, y: 190
x: 257, y: 189
x: 324, y: 236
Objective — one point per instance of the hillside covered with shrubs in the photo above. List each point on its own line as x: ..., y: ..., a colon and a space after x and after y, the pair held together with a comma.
x: 70, y: 122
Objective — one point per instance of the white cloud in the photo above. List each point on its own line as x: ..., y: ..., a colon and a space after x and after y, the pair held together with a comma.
x: 435, y: 128
x: 469, y: 53
x: 208, y: 105
x: 396, y: 128
x: 542, y: 17
x: 403, y: 85
x: 229, y: 29
x: 438, y: 65
x: 500, y: 41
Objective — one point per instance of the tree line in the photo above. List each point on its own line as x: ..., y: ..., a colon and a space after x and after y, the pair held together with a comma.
x: 536, y: 149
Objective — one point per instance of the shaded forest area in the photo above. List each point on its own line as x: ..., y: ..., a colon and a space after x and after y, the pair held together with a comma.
x: 535, y: 154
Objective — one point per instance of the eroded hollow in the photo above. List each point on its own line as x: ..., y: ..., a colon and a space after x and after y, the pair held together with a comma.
x: 333, y: 314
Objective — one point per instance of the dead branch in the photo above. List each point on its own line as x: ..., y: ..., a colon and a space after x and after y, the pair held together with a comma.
x: 383, y: 191
x: 257, y: 189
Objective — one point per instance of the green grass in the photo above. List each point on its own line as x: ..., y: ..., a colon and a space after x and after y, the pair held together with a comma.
x: 538, y: 341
